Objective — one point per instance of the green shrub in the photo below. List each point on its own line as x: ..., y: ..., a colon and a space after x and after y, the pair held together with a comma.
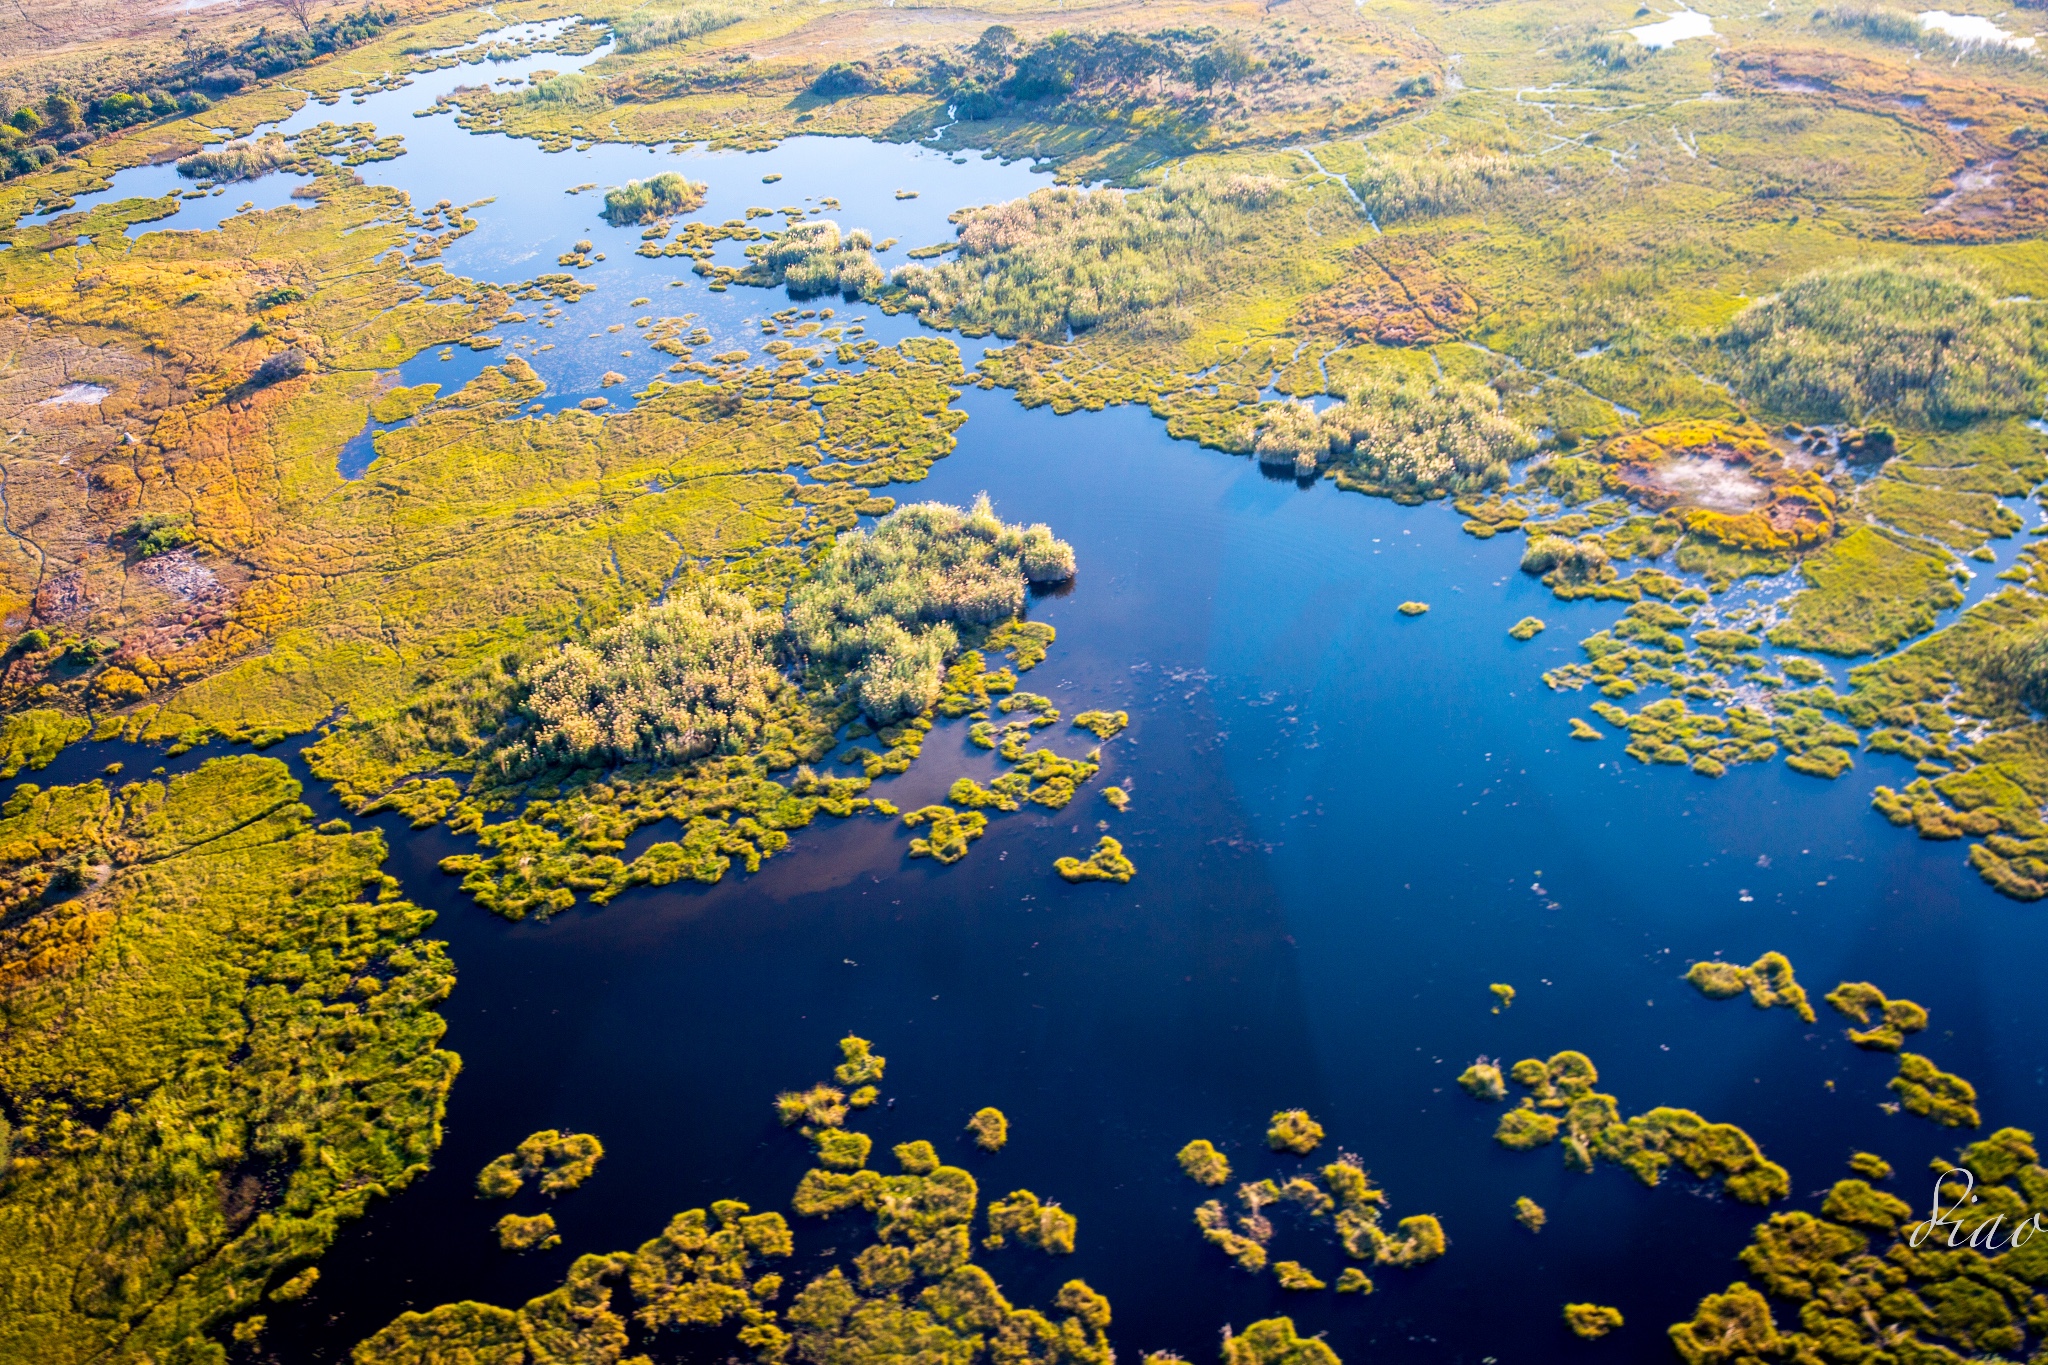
x: 1917, y: 340
x: 886, y: 603
x: 643, y: 201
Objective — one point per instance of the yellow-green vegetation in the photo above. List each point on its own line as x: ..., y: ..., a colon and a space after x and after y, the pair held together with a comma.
x: 1895, y: 1018
x: 1274, y: 1341
x: 1048, y: 1227
x: 950, y: 833
x: 1925, y: 1089
x: 1352, y: 1280
x: 170, y: 954
x: 1562, y: 1104
x: 1106, y: 864
x: 1103, y: 724
x: 659, y: 196
x: 561, y: 1161
x: 1295, y: 1275
x: 1768, y: 981
x: 1530, y: 1214
x: 1483, y: 1081
x: 1528, y: 628
x: 1292, y: 1130
x: 916, y: 1281
x: 696, y: 1273
x: 1591, y: 1321
x: 1503, y: 996
x: 1413, y: 608
x: 859, y: 1064
x: 1203, y: 1163
x: 1862, y: 1277
x: 990, y: 1128
x: 1118, y: 798
x: 1871, y: 1166
x: 1346, y: 1200
x: 517, y: 1233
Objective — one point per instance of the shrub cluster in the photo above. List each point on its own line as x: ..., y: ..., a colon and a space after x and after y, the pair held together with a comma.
x: 659, y: 196
x: 888, y: 604
x: 1919, y: 341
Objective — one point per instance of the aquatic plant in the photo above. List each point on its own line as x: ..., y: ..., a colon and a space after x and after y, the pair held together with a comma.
x: 238, y: 160
x: 1203, y: 1163
x: 1117, y: 798
x: 1591, y: 1321
x: 1274, y: 1341
x: 1413, y: 608
x: 1521, y: 1129
x: 1248, y: 1251
x: 990, y: 1128
x: 1292, y: 1130
x: 1103, y: 724
x: 1592, y: 1129
x: 1048, y: 1227
x: 1295, y: 1275
x: 1870, y: 1166
x: 1404, y: 437
x: 951, y: 832
x: 842, y: 1150
x: 1106, y: 864
x: 1530, y: 1214
x: 1503, y: 996
x: 562, y: 1161
x: 1862, y: 1278
x: 1482, y: 1081
x: 859, y: 1065
x: 1528, y: 628
x: 821, y: 1106
x: 888, y: 604
x: 527, y: 1234
x: 1896, y: 1018
x: 1768, y: 980
x: 658, y: 196
x: 1927, y: 1090
x: 1352, y: 1280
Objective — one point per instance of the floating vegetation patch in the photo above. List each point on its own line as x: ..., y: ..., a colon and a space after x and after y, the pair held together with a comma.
x: 1346, y: 1200
x: 1591, y: 1321
x: 1859, y: 1000
x: 560, y: 1161
x: 1563, y: 1104
x: 1106, y: 864
x: 1768, y: 981
x: 658, y: 196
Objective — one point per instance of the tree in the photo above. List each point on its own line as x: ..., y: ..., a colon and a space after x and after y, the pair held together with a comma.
x: 301, y: 10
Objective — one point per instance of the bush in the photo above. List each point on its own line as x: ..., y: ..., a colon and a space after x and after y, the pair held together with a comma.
x: 811, y: 259
x: 1571, y: 560
x: 1916, y: 340
x: 1065, y: 260
x: 671, y: 682
x: 237, y: 160
x: 1408, y: 435
x: 887, y: 604
x: 643, y: 201
x: 638, y: 32
x: 289, y: 363
x: 841, y: 78
x: 159, y: 533
x: 2014, y: 664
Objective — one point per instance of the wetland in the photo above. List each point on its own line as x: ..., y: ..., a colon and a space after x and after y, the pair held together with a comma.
x: 565, y: 569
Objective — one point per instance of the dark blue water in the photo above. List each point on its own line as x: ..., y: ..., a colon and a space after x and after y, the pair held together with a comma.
x: 1340, y: 815
x: 1346, y: 823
